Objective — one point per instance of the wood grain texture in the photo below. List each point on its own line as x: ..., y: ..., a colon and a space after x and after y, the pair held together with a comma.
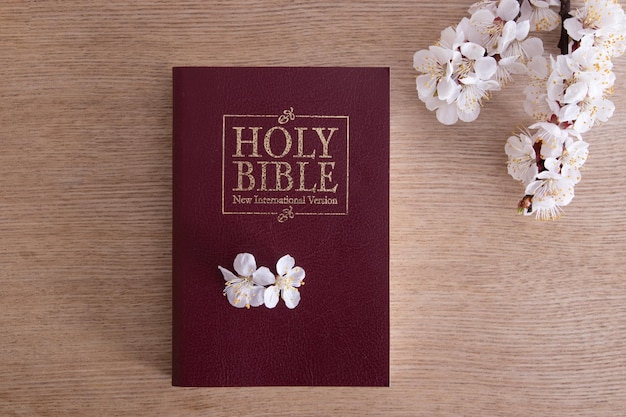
x: 491, y: 314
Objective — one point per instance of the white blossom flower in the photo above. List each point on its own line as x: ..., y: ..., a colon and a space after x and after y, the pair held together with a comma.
x: 604, y: 20
x: 455, y: 81
x: 522, y: 163
x: 247, y: 288
x: 433, y: 63
x: 490, y: 23
x: 553, y: 138
x: 562, y: 154
x: 561, y: 79
x: 504, y: 37
x: 515, y: 42
x: 286, y: 283
x: 592, y: 112
x: 491, y: 5
x: 475, y: 75
x: 437, y: 64
x: 572, y: 159
x: 549, y: 192
x: 537, y: 103
x: 580, y: 89
x: 544, y: 208
x: 435, y: 86
x: 464, y: 31
x: 539, y: 14
x: 589, y: 64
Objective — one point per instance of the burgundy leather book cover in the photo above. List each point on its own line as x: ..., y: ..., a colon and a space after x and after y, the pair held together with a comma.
x: 270, y: 162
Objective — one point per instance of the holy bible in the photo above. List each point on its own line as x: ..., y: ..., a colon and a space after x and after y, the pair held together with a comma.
x: 280, y: 226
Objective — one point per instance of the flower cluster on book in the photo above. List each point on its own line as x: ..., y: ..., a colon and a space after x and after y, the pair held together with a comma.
x: 567, y: 95
x: 255, y: 287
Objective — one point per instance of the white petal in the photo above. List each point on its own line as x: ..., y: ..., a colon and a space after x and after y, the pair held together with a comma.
x: 532, y: 187
x: 552, y: 164
x: 295, y: 276
x: 521, y: 30
x: 284, y: 264
x: 490, y: 85
x: 485, y: 67
x: 518, y: 145
x: 291, y: 296
x: 575, y: 93
x: 511, y: 65
x: 470, y: 115
x: 448, y: 89
x: 482, y: 17
x: 442, y: 55
x: 571, y: 173
x: 472, y: 50
x: 606, y: 108
x: 525, y: 11
x: 245, y: 264
x: 271, y: 296
x: 553, y: 105
x: 595, y: 88
x: 551, y: 149
x: 508, y: 35
x: 257, y: 296
x: 263, y: 276
x: 482, y: 5
x: 574, y: 28
x: 508, y: 9
x: 238, y: 295
x: 533, y: 47
x: 538, y: 67
x: 584, y: 122
x: 423, y: 59
x: 569, y: 112
x: 448, y: 36
x: 567, y: 195
x: 447, y: 114
x: 579, y: 148
x: 545, y: 208
x: 426, y: 85
x: 555, y: 88
x: 228, y: 276
x: 433, y: 102
x: 230, y: 295
x: 550, y: 128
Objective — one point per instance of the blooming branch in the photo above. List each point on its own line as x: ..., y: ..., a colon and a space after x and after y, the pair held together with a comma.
x: 567, y: 95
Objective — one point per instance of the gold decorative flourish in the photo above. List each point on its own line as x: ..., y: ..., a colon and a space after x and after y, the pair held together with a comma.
x: 286, y: 214
x: 286, y: 116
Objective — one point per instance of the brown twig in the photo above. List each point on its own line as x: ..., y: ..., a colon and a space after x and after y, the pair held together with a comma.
x: 564, y: 13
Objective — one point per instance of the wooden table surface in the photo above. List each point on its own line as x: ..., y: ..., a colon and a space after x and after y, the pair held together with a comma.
x: 492, y: 314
